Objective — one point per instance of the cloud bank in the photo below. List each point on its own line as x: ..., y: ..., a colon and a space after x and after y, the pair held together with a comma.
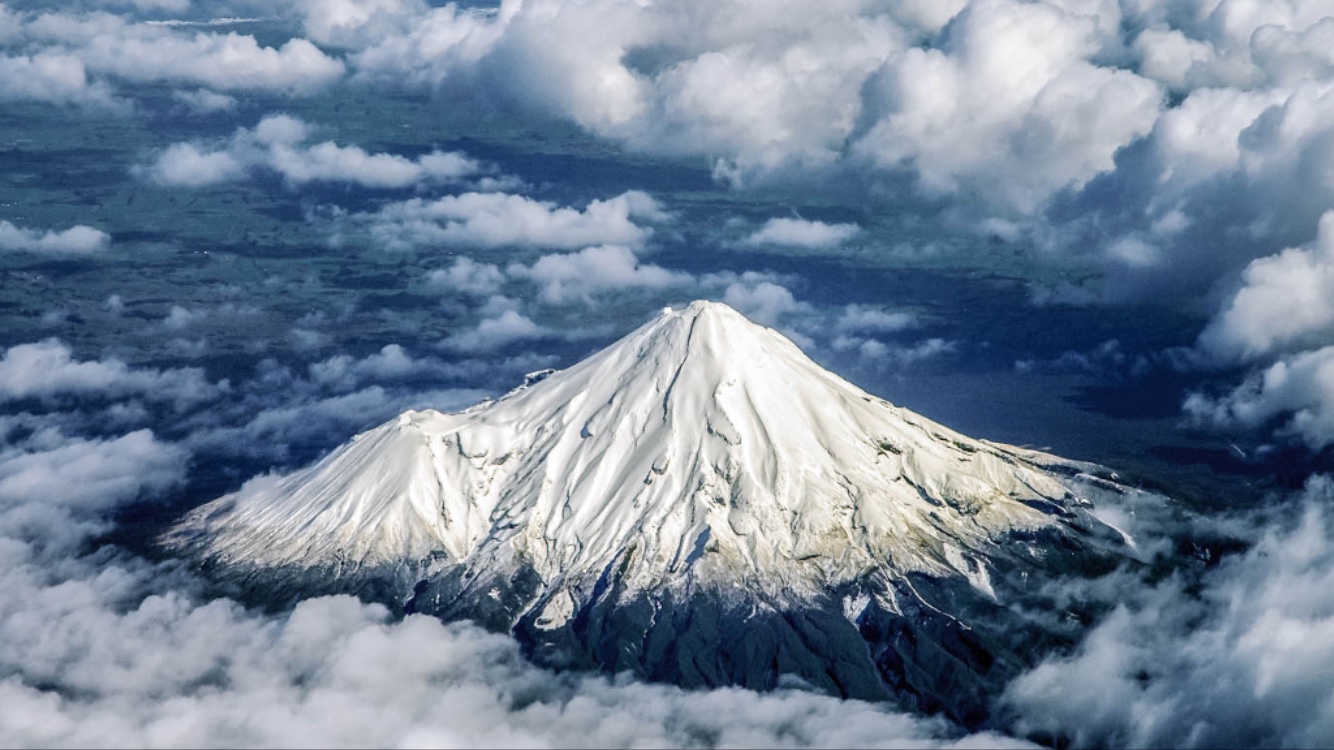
x: 1169, y: 144
x: 77, y: 240
x: 279, y: 145
x: 79, y: 57
x: 802, y: 233
x: 1239, y: 663
x: 1281, y: 321
x: 47, y: 369
x: 494, y: 220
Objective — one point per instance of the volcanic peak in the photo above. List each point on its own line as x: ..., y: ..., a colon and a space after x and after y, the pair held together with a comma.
x: 701, y: 448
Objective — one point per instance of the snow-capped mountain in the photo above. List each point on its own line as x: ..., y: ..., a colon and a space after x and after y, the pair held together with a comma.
x: 702, y: 462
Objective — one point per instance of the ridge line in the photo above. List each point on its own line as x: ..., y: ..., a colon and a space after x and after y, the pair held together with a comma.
x: 667, y: 395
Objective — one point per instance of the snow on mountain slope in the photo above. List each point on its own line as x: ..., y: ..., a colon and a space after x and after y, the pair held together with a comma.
x: 700, y: 447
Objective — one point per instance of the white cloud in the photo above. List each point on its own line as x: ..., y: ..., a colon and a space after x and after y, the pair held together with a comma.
x: 343, y: 23
x: 497, y: 331
x: 228, y: 62
x: 467, y: 276
x: 64, y: 49
x: 275, y: 130
x: 1179, y: 62
x: 593, y: 270
x: 48, y: 369
x: 77, y: 240
x: 175, y: 6
x: 1281, y: 321
x: 203, y: 101
x: 329, y: 162
x: 52, y: 77
x: 1224, y: 178
x: 1235, y: 43
x: 179, y: 318
x: 278, y: 144
x: 337, y: 673
x: 392, y: 362
x: 1010, y: 105
x: 805, y: 86
x: 1285, y: 300
x: 880, y: 352
x: 185, y: 165
x: 490, y: 220
x: 999, y: 106
x: 56, y: 490
x: 1300, y: 386
x: 1240, y: 662
x: 1003, y: 104
x: 802, y: 233
x: 746, y: 94
x: 864, y: 319
x: 84, y: 476
x: 394, y: 42
x: 761, y: 301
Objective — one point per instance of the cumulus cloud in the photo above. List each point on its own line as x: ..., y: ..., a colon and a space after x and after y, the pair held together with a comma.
x: 1010, y: 104
x: 50, y: 77
x: 865, y: 329
x: 1051, y: 118
x: 881, y: 352
x: 1224, y: 178
x: 279, y: 145
x: 1299, y: 387
x: 77, y: 240
x: 56, y: 489
x: 1281, y: 322
x: 392, y: 362
x: 467, y: 276
x: 1285, y: 300
x: 999, y: 105
x: 73, y: 57
x: 496, y: 332
x: 802, y: 233
x: 203, y: 101
x: 336, y: 673
x: 1238, y: 662
x: 761, y: 300
x: 227, y: 62
x: 491, y: 220
x: 991, y: 96
x: 605, y: 268
x: 186, y: 165
x: 143, y: 52
x: 48, y: 369
x: 1235, y: 43
x: 866, y: 319
x: 393, y: 41
x: 331, y: 163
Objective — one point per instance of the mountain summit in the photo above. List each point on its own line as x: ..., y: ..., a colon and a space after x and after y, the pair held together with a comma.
x: 701, y: 464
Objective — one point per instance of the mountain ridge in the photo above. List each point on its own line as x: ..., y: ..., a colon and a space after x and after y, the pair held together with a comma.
x: 699, y: 478
x: 699, y: 432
